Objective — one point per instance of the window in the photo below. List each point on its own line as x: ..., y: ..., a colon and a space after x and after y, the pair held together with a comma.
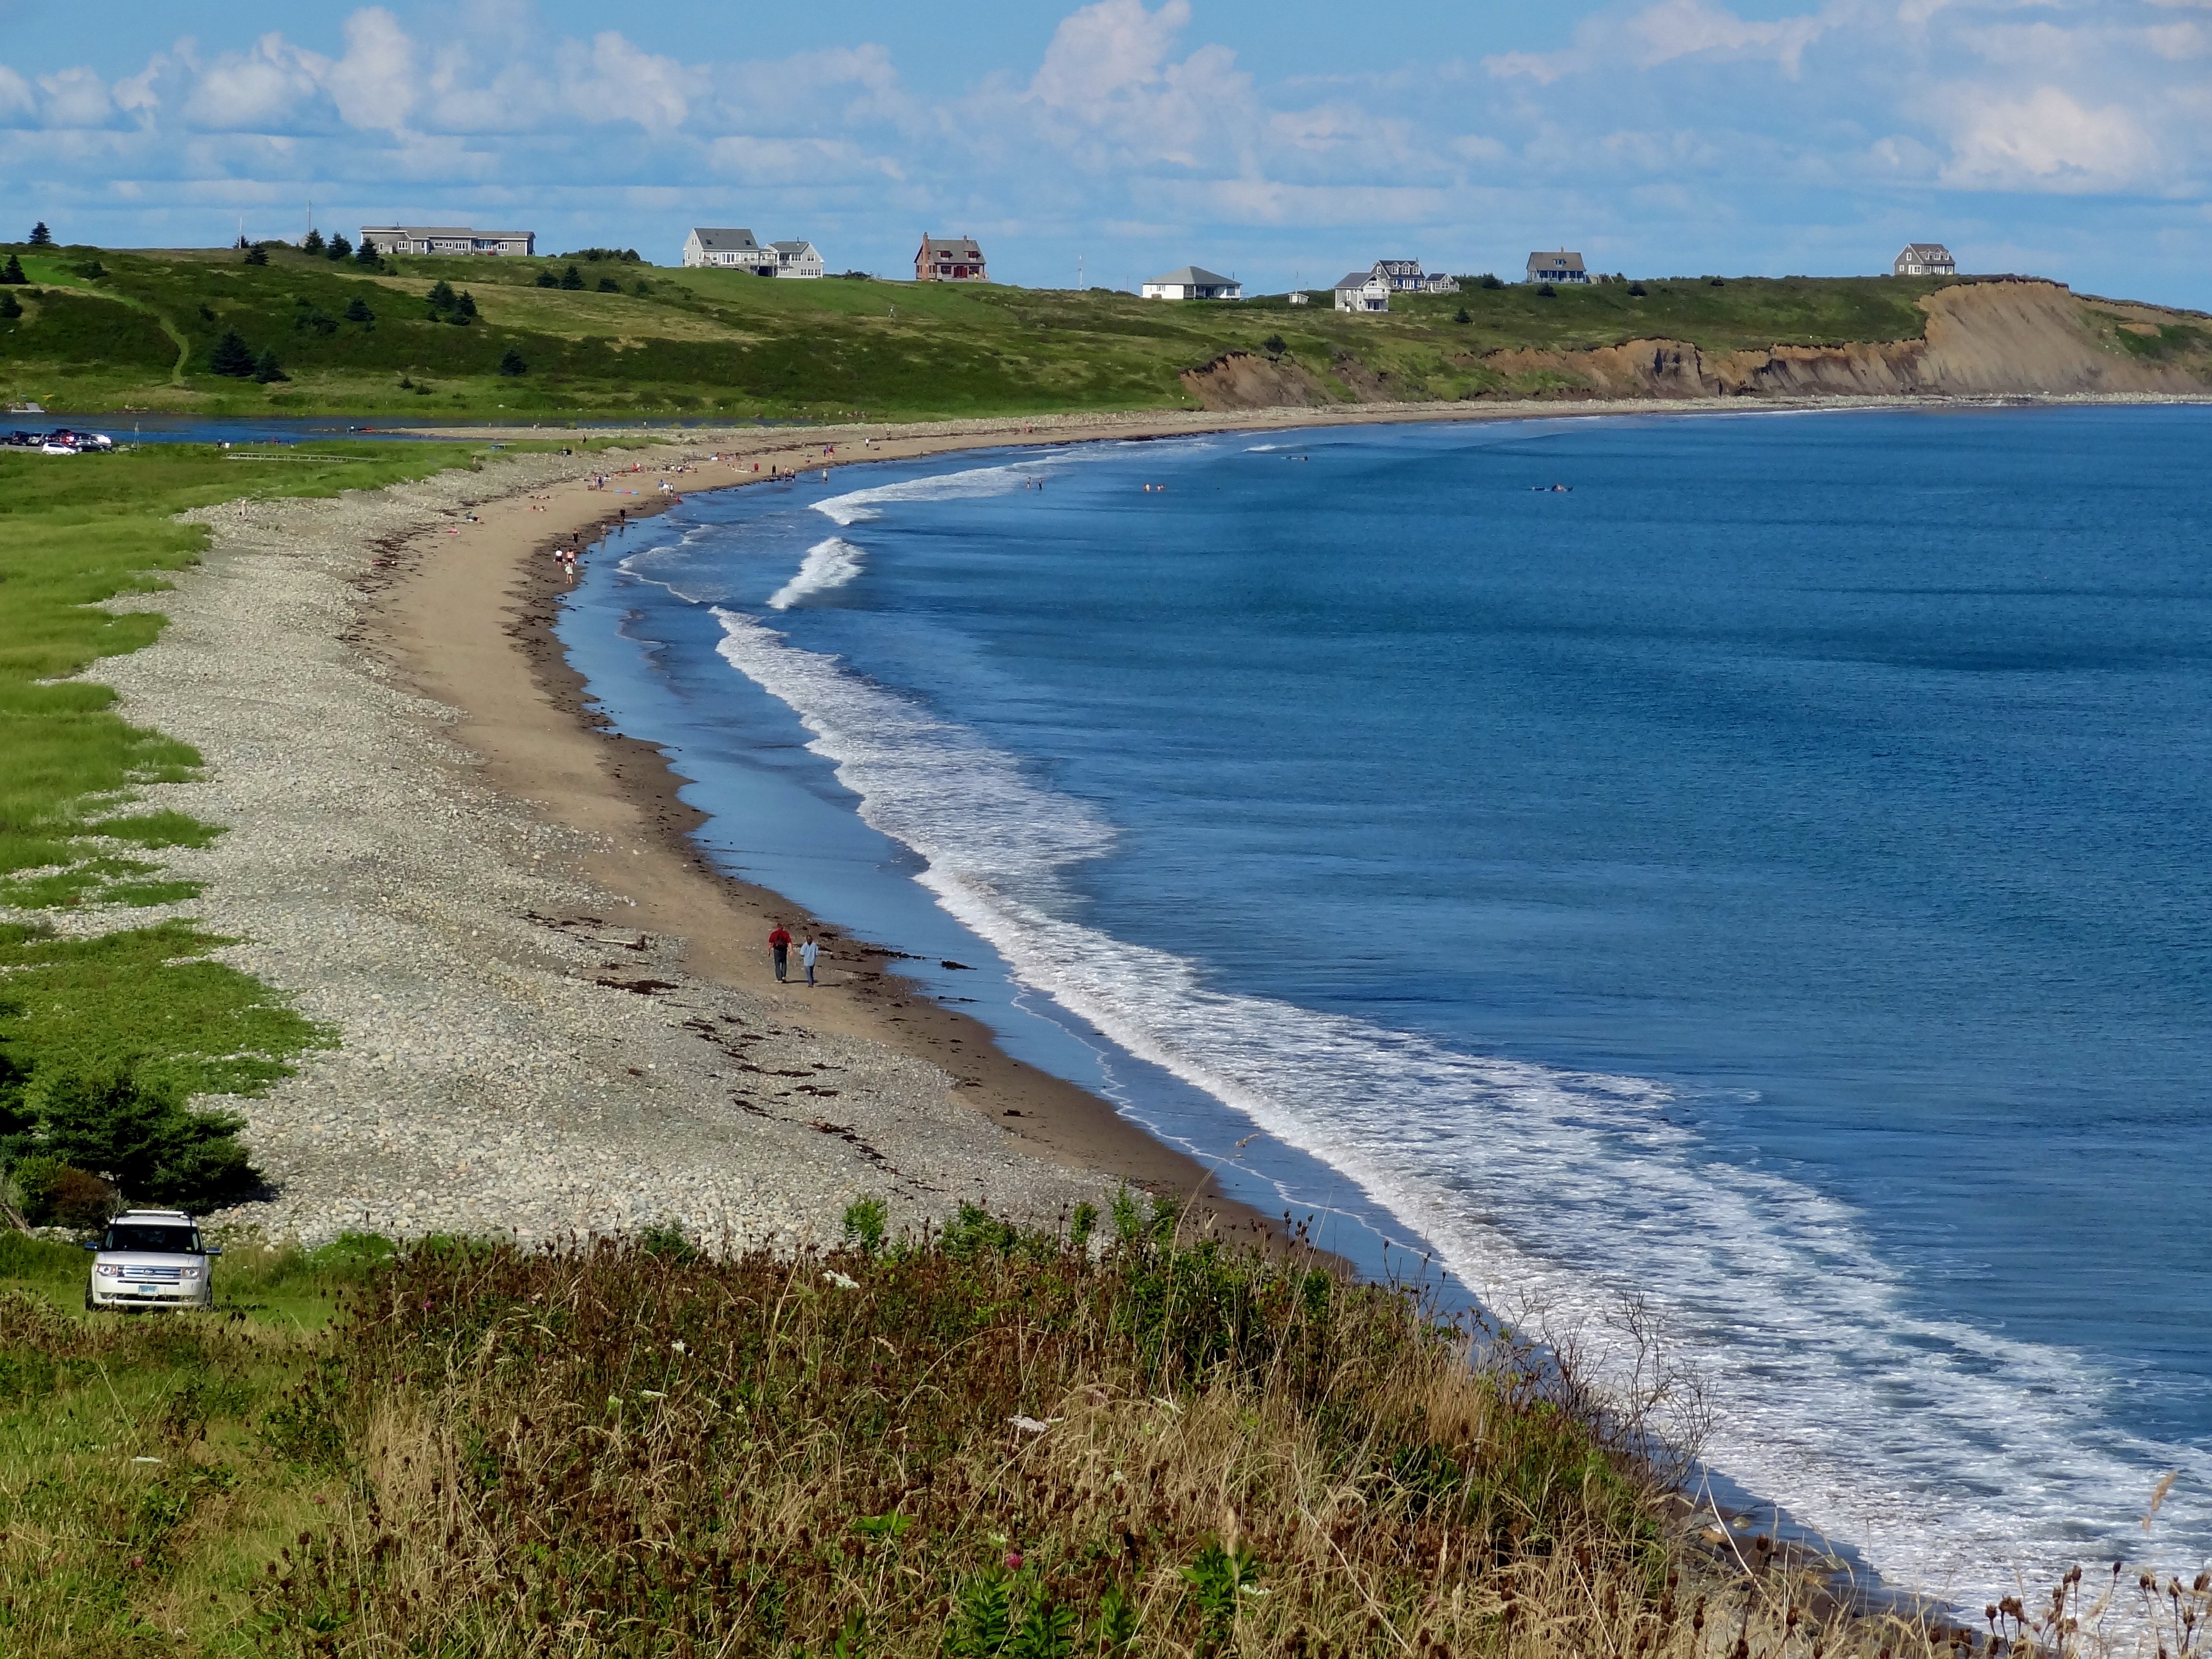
x: 143, y: 1236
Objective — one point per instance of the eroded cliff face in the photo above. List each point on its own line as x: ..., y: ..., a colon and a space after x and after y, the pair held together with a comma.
x: 2019, y: 338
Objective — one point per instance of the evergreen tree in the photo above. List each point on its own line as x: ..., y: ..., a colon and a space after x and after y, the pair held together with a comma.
x: 231, y: 355
x: 572, y: 278
x: 608, y: 285
x: 365, y: 256
x: 142, y: 1137
x: 357, y: 311
x: 257, y: 255
x: 464, y: 309
x: 12, y: 274
x: 547, y: 279
x: 11, y: 306
x: 440, y: 299
x: 512, y: 363
x: 267, y: 369
x: 314, y: 242
x: 40, y: 236
x: 339, y: 248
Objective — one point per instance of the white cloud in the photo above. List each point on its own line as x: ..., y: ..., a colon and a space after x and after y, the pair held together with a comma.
x: 75, y: 97
x: 612, y: 80
x: 256, y: 91
x: 1663, y: 33
x: 2179, y: 42
x: 2047, y: 140
x: 375, y: 84
x: 15, y: 97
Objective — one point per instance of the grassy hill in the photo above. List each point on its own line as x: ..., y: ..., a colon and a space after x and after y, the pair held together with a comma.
x: 107, y: 330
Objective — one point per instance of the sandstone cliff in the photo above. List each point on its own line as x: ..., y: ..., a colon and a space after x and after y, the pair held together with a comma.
x: 2000, y: 337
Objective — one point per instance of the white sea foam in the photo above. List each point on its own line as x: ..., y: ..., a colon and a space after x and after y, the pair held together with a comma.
x: 828, y: 566
x: 856, y: 506
x: 1952, y: 1457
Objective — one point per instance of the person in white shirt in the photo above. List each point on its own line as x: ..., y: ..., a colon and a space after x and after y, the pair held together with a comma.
x: 807, y: 953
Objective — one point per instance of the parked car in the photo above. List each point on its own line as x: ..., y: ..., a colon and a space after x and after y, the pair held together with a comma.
x: 150, y: 1259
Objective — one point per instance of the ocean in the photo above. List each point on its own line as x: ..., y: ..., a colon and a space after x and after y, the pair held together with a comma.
x: 1738, y: 877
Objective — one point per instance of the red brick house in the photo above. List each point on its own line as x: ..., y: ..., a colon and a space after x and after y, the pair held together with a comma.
x: 949, y: 259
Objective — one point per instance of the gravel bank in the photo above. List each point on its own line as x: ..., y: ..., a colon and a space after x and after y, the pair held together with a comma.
x: 513, y: 1054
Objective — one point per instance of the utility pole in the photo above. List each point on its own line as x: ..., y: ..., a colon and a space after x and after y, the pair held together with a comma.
x: 1079, y: 273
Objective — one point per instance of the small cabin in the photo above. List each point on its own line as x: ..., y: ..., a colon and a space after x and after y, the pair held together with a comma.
x: 1559, y: 267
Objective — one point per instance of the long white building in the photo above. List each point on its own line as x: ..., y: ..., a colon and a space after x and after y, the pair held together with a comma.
x: 449, y: 239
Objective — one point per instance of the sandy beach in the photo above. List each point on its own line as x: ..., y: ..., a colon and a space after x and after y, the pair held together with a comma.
x: 550, y: 1014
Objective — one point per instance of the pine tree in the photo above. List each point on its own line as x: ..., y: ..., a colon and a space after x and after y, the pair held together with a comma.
x: 257, y: 255
x: 440, y: 299
x: 464, y: 309
x: 512, y: 363
x: 572, y: 278
x: 11, y: 306
x: 314, y: 242
x: 267, y: 369
x: 365, y: 256
x: 339, y: 248
x: 12, y: 273
x: 40, y: 236
x: 357, y: 311
x: 231, y: 355
x: 547, y: 279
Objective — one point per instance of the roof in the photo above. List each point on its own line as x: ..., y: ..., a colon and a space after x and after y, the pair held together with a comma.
x: 1397, y: 267
x: 1357, y: 279
x: 792, y: 248
x: 1562, y: 260
x: 1194, y: 277
x: 1927, y: 251
x: 725, y: 241
x: 960, y: 246
x: 447, y: 230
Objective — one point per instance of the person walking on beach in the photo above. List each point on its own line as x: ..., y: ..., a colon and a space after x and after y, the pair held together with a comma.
x: 807, y: 952
x: 778, y: 949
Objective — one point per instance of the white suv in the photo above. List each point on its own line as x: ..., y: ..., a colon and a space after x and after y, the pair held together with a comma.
x: 150, y: 1259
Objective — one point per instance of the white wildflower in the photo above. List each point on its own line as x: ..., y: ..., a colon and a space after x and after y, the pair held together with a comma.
x: 1030, y: 1425
x: 842, y: 1281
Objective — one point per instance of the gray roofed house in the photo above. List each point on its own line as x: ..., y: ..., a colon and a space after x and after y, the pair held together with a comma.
x: 1561, y: 267
x: 728, y: 249
x: 448, y: 239
x: 949, y: 259
x: 796, y: 259
x: 1193, y: 283
x: 1925, y: 260
x: 1361, y: 291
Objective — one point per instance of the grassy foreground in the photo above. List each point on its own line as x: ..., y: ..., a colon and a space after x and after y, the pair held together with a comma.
x: 985, y: 1443
x: 105, y: 330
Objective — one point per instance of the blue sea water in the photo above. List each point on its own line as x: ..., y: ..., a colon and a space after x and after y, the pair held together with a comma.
x: 1765, y: 881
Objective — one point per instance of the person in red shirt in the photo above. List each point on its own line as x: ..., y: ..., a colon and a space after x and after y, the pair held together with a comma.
x: 779, y: 947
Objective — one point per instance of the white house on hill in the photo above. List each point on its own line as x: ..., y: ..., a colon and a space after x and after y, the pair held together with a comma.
x: 1925, y: 260
x: 1363, y: 291
x: 1561, y: 267
x: 1194, y: 282
x: 727, y: 250
x: 796, y: 259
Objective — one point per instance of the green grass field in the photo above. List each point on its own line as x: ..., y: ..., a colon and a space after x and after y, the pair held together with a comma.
x: 138, y: 335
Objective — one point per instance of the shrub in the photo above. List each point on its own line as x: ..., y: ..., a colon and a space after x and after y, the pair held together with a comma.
x: 142, y: 1137
x: 864, y: 1226
x: 1636, y: 290
x: 592, y: 255
x: 1274, y: 345
x: 1489, y: 279
x: 257, y: 255
x: 1545, y: 291
x: 11, y: 306
x: 608, y: 285
x: 357, y: 311
x: 266, y: 368
x: 1461, y: 315
x: 511, y: 363
x: 51, y: 1192
x: 231, y: 355
x: 91, y: 269
x: 547, y: 279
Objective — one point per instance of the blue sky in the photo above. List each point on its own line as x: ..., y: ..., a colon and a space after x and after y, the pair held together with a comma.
x: 1288, y: 140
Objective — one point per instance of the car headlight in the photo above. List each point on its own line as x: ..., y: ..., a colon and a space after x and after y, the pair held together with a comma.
x: 107, y: 1271
x: 190, y: 1273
